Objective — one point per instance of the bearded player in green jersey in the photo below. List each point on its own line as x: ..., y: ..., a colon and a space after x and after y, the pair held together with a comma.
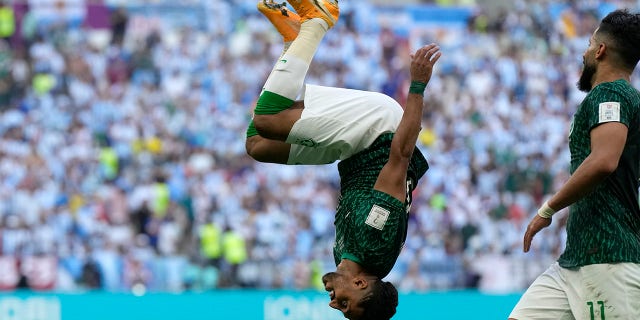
x: 372, y: 136
x: 598, y: 275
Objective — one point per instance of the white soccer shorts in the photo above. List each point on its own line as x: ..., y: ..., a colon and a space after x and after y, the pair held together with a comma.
x: 592, y: 292
x: 337, y: 123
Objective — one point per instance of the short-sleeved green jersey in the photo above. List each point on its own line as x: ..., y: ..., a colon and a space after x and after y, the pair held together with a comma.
x: 371, y: 226
x: 604, y: 226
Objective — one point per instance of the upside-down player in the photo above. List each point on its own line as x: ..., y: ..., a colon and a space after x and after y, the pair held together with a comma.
x: 369, y: 133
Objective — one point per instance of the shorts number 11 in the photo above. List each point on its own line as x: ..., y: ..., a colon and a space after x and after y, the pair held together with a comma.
x: 593, y: 316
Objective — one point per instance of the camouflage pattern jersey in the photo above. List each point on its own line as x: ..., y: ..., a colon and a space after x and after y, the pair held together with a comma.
x: 371, y: 226
x: 604, y: 226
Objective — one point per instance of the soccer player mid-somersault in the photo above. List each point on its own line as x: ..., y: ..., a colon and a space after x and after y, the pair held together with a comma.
x: 369, y: 133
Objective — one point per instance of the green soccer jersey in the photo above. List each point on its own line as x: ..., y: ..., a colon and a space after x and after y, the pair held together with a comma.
x: 604, y: 226
x: 371, y: 226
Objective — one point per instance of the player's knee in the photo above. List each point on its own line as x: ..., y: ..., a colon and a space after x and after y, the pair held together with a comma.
x: 263, y: 124
x: 257, y: 149
x: 251, y: 148
x: 270, y: 126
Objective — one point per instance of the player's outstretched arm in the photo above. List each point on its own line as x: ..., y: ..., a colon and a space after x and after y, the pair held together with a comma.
x: 392, y: 177
x: 607, y: 144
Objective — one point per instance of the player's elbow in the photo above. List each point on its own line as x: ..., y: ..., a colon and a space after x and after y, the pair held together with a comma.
x: 605, y: 165
x: 402, y: 152
x: 608, y: 167
x: 402, y: 157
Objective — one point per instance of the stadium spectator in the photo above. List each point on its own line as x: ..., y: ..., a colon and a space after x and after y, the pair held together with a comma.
x: 234, y: 253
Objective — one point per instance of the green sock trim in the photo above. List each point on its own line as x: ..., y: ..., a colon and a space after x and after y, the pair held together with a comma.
x: 272, y: 103
x: 251, y: 130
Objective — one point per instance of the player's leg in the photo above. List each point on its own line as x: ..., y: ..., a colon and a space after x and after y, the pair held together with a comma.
x: 287, y: 78
x: 267, y: 150
x: 271, y: 147
x: 287, y: 23
x: 273, y: 116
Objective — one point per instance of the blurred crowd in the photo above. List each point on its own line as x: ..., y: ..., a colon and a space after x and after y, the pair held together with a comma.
x: 122, y: 161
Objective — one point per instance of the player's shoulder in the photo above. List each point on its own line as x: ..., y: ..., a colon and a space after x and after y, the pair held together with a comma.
x: 616, y: 91
x: 619, y: 86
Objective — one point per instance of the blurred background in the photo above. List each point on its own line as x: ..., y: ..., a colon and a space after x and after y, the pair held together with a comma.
x: 123, y: 170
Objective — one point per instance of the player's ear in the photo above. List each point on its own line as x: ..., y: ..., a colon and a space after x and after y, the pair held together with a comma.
x: 602, y: 49
x: 360, y: 282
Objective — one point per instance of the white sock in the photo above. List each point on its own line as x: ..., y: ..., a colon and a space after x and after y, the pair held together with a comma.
x: 284, y: 50
x: 309, y: 38
x: 288, y: 74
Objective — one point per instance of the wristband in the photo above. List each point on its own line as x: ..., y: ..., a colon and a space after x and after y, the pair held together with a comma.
x: 545, y: 211
x: 417, y: 87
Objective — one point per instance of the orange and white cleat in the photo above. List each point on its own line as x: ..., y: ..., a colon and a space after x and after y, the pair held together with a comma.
x: 326, y: 10
x: 286, y: 21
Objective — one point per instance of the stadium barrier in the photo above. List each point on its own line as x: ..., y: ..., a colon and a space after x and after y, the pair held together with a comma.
x: 239, y: 305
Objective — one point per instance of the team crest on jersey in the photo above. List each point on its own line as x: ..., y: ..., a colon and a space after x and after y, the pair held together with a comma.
x: 377, y: 217
x: 608, y: 112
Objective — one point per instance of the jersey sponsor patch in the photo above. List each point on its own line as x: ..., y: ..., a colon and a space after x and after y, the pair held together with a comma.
x: 377, y: 217
x: 609, y: 111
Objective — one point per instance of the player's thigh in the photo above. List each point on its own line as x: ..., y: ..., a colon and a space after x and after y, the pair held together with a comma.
x: 277, y: 126
x: 266, y: 150
x: 610, y: 291
x: 545, y: 299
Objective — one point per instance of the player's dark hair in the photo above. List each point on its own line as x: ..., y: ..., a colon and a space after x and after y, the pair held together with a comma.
x: 622, y: 29
x: 381, y: 302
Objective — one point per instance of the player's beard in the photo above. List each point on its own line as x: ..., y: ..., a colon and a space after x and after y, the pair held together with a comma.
x: 585, y: 82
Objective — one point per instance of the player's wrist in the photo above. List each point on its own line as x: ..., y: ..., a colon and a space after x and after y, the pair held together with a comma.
x: 545, y: 211
x: 417, y: 87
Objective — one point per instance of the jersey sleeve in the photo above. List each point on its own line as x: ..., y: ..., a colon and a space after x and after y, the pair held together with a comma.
x: 606, y: 104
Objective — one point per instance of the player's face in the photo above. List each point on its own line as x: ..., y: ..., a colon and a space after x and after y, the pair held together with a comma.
x: 344, y: 294
x: 589, y: 66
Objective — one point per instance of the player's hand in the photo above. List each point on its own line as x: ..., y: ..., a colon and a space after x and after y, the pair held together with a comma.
x: 537, y: 223
x: 422, y: 62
